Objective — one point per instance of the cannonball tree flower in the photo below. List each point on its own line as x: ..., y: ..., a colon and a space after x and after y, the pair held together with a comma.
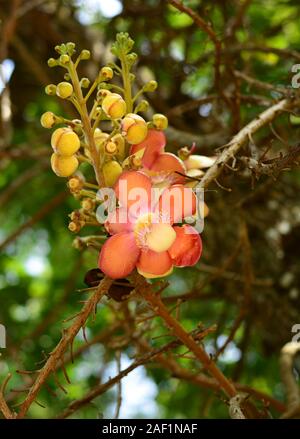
x: 161, y: 166
x: 147, y: 234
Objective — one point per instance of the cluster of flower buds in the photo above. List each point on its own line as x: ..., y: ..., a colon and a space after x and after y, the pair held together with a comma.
x: 111, y: 136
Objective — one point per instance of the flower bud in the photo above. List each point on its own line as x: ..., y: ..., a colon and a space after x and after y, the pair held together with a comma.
x: 134, y: 128
x: 74, y: 226
x: 88, y: 204
x: 102, y: 93
x: 110, y: 148
x: 160, y: 121
x: 119, y: 140
x: 106, y: 73
x: 150, y: 86
x: 64, y: 166
x: 65, y: 142
x: 114, y: 106
x: 84, y: 83
x: 52, y: 62
x: 64, y: 59
x: 142, y: 106
x: 50, y: 89
x: 64, y: 90
x: 85, y: 54
x: 48, y: 119
x: 70, y: 48
x: 75, y: 184
x: 111, y: 172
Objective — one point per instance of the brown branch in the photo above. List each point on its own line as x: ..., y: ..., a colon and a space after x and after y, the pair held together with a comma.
x: 67, y: 338
x: 145, y: 290
x: 242, y: 137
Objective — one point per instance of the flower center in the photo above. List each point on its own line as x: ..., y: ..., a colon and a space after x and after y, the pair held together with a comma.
x: 156, y: 236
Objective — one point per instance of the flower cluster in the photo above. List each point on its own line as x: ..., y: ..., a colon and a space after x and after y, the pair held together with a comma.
x: 127, y: 153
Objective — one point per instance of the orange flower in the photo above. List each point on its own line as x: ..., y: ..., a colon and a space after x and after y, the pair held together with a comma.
x: 161, y: 166
x: 144, y: 235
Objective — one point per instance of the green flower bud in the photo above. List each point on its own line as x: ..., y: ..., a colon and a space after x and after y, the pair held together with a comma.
x: 50, y: 89
x: 142, y: 106
x: 84, y: 83
x: 64, y: 90
x: 52, y: 62
x: 160, y: 121
x: 67, y: 77
x: 106, y: 73
x: 85, y: 54
x: 70, y: 48
x: 64, y: 59
x: 150, y: 86
x: 111, y: 172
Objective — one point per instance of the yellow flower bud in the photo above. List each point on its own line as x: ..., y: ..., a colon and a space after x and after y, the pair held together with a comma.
x: 48, y: 119
x: 160, y: 121
x: 75, y: 183
x: 64, y: 166
x: 134, y: 128
x: 114, y: 106
x: 110, y: 148
x: 102, y: 93
x: 64, y: 90
x: 119, y: 140
x: 88, y: 204
x: 85, y: 54
x: 107, y: 73
x: 150, y: 86
x: 111, y: 172
x: 64, y: 59
x: 50, y: 89
x: 65, y: 142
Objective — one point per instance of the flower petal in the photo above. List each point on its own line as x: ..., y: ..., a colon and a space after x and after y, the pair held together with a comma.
x: 151, y: 264
x: 187, y: 248
x: 154, y: 145
x: 118, y: 221
x: 178, y: 202
x: 119, y: 255
x: 195, y: 161
x: 170, y: 164
x: 133, y: 189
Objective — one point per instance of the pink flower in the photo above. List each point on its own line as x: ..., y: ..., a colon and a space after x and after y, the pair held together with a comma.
x: 159, y: 165
x: 146, y: 238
